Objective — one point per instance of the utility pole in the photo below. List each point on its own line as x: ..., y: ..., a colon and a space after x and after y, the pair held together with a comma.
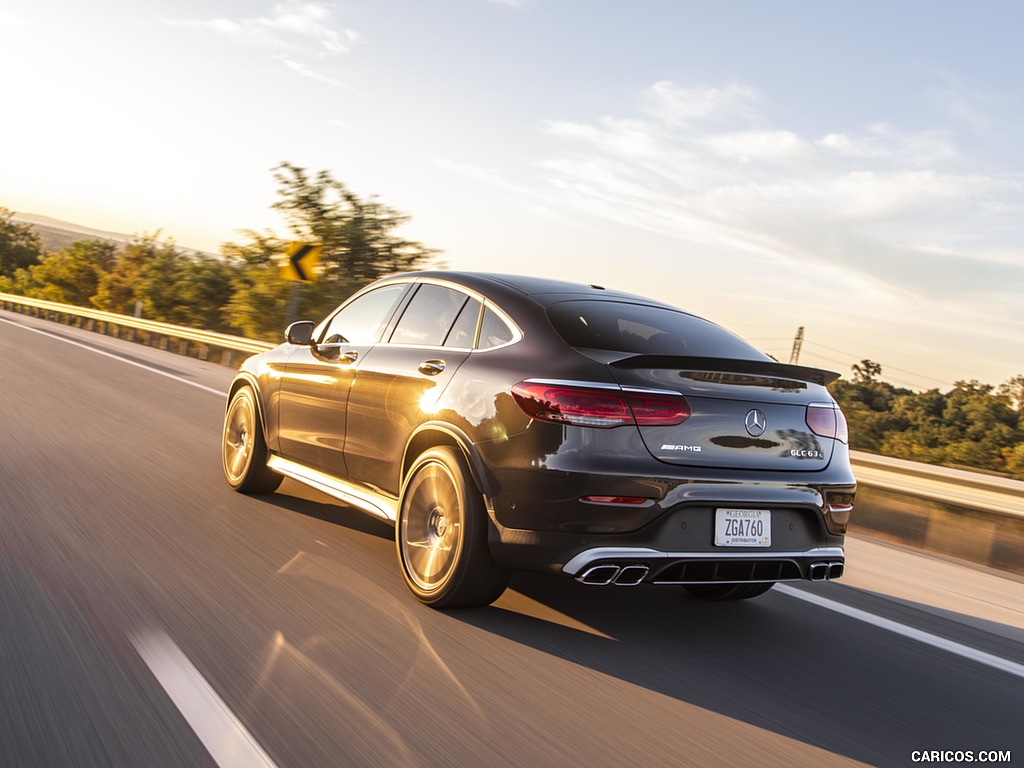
x: 798, y: 341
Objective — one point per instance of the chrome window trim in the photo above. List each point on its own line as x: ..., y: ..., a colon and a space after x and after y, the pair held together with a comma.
x: 517, y: 334
x: 603, y: 385
x: 652, y: 391
x: 320, y: 328
x: 575, y: 383
x: 422, y: 346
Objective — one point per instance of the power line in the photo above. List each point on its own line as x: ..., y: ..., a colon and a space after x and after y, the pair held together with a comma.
x: 915, y: 374
x: 887, y: 367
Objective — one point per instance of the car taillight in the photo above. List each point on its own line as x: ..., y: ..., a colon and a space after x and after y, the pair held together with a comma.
x: 597, y: 407
x: 828, y: 421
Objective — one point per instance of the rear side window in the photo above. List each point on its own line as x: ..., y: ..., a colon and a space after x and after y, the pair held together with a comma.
x: 647, y: 330
x: 493, y: 330
x: 463, y: 333
x: 429, y: 316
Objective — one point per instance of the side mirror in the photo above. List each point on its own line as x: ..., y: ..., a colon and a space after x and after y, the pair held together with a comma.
x: 300, y: 333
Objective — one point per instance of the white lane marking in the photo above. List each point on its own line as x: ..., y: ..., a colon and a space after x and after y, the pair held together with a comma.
x: 226, y: 739
x: 951, y: 646
x: 145, y: 367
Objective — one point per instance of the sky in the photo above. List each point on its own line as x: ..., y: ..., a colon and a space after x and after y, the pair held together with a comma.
x: 855, y: 169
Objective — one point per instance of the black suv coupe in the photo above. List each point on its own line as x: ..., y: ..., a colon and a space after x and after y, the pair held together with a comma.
x: 512, y: 423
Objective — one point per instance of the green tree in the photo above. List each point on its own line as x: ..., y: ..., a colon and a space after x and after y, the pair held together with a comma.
x: 19, y: 245
x: 867, y: 403
x: 971, y: 425
x: 1013, y: 391
x: 259, y: 296
x: 1014, y: 458
x: 118, y: 289
x: 170, y: 285
x: 359, y: 242
x: 72, y: 275
x: 358, y: 236
x: 866, y: 371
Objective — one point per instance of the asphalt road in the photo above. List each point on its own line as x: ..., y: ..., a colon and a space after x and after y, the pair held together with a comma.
x: 149, y: 616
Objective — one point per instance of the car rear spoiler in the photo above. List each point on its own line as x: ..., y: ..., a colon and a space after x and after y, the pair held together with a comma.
x: 726, y: 365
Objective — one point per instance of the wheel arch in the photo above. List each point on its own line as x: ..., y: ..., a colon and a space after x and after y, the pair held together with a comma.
x: 245, y: 379
x: 434, y: 434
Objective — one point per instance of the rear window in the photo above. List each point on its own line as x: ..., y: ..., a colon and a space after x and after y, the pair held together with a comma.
x: 646, y: 330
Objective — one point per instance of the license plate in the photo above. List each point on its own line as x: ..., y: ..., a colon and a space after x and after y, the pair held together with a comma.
x: 743, y: 528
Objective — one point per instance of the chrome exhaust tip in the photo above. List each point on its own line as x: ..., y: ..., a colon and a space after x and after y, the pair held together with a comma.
x: 599, y: 575
x: 818, y: 571
x: 835, y: 570
x: 631, y: 575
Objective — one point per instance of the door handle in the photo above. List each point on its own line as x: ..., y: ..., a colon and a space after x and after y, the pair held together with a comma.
x: 350, y: 357
x: 431, y: 367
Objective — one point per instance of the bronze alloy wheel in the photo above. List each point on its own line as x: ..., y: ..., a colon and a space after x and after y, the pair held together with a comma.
x: 442, y: 535
x: 432, y: 523
x: 243, y: 449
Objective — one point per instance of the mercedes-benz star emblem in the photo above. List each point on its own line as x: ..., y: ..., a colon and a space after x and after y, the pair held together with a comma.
x: 755, y: 423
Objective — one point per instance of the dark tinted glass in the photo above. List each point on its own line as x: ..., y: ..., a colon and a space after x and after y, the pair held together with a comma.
x: 493, y: 330
x: 463, y: 333
x: 641, y: 329
x: 429, y: 316
x: 361, y: 321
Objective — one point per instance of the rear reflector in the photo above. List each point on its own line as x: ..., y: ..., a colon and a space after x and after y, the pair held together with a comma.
x: 614, y: 499
x: 597, y: 407
x: 827, y: 421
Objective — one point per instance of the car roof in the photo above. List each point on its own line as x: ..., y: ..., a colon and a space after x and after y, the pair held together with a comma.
x: 542, y: 290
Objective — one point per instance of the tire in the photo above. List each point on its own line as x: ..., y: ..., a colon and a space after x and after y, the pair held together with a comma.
x: 243, y: 449
x: 441, y: 535
x: 728, y: 591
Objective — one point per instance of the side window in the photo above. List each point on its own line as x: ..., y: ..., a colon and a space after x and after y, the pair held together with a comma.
x: 361, y: 321
x: 493, y: 330
x: 429, y: 316
x: 463, y: 333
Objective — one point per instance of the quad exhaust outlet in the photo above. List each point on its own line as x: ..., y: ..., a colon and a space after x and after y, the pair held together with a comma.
x: 624, y: 575
x: 825, y: 571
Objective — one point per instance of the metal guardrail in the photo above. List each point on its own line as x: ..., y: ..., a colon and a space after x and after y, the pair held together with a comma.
x: 124, y: 326
x: 951, y: 486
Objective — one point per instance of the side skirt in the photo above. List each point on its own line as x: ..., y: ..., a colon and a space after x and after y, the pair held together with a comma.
x: 367, y: 501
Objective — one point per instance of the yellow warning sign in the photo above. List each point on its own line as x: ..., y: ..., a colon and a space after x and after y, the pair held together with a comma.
x: 301, y: 262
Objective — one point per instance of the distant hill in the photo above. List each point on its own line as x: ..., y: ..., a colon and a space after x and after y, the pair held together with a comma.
x: 56, y: 234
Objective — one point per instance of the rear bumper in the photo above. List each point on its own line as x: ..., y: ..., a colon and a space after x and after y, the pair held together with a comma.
x: 678, y: 547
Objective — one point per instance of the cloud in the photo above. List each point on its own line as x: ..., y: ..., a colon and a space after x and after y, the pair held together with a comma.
x: 676, y: 105
x: 305, y: 71
x: 963, y: 105
x: 704, y: 165
x: 290, y: 25
x: 293, y: 28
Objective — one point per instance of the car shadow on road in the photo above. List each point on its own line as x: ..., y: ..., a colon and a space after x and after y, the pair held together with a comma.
x: 774, y: 662
x: 306, y: 501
